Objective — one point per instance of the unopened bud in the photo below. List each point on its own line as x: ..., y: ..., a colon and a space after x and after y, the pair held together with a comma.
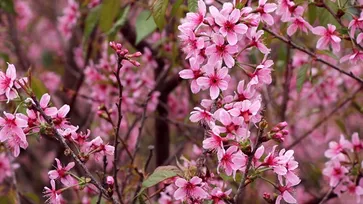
x: 285, y: 132
x: 110, y: 181
x: 282, y: 125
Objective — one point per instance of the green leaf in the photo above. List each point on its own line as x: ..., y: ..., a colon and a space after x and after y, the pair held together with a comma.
x: 7, y: 5
x: 91, y: 22
x: 160, y: 174
x: 312, y: 13
x: 109, y: 11
x: 176, y: 7
x: 158, y: 12
x: 120, y: 21
x: 38, y: 87
x: 301, y: 77
x: 193, y: 5
x: 144, y: 26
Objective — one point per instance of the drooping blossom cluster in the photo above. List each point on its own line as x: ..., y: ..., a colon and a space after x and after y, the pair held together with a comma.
x: 344, y: 167
x: 68, y: 20
x: 214, y: 43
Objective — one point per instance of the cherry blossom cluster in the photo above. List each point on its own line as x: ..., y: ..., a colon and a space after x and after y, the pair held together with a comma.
x: 68, y: 20
x: 215, y: 44
x: 15, y: 128
x: 345, y: 166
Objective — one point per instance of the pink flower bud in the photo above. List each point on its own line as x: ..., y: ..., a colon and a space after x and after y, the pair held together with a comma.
x: 275, y: 129
x: 285, y: 132
x: 282, y: 125
x: 110, y: 181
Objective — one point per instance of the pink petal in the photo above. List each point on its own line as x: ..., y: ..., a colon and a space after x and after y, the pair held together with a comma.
x: 214, y: 92
x: 288, y: 197
x: 320, y: 30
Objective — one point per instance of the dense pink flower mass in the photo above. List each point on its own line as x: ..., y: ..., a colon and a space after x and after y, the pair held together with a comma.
x: 198, y: 101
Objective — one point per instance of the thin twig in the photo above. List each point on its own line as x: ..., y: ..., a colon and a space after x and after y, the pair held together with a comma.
x: 49, y: 121
x: 313, y: 55
x: 324, y: 119
x: 238, y: 198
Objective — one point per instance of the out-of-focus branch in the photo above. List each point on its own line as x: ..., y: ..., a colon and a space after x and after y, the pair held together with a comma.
x: 313, y: 55
x: 14, y: 38
x: 324, y: 119
x: 286, y: 90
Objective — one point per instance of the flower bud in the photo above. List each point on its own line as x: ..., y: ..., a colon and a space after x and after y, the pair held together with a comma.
x: 282, y: 125
x: 110, y: 181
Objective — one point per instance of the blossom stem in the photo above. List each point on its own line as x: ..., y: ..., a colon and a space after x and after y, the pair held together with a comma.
x: 238, y: 198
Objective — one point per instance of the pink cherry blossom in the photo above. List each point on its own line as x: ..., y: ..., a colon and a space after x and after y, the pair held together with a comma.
x: 329, y: 36
x: 298, y: 23
x: 200, y: 114
x: 215, y: 81
x: 193, y: 73
x: 231, y: 126
x: 229, y: 24
x: 5, y: 167
x: 285, y: 194
x: 214, y: 142
x: 336, y: 149
x: 54, y: 196
x: 219, y: 51
x: 264, y: 9
x: 243, y: 93
x: 62, y: 173
x: 189, y: 189
x: 12, y: 125
x: 231, y: 160
x: 247, y: 110
x: 193, y: 20
x: 44, y: 101
x: 7, y: 82
x: 254, y: 36
x: 335, y: 171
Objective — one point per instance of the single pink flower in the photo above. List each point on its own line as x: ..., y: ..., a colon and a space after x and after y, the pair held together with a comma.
x: 298, y: 23
x: 231, y: 126
x: 285, y: 193
x: 12, y: 125
x: 5, y: 167
x: 189, y: 189
x: 254, y: 36
x: 193, y: 73
x: 193, y: 20
x: 229, y: 24
x: 44, y: 101
x: 54, y: 196
x: 231, y: 160
x: 7, y: 82
x: 335, y: 171
x: 247, y: 110
x: 215, y: 81
x: 62, y: 173
x: 219, y: 51
x: 329, y: 36
x: 200, y: 114
x: 213, y: 143
x: 264, y: 9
